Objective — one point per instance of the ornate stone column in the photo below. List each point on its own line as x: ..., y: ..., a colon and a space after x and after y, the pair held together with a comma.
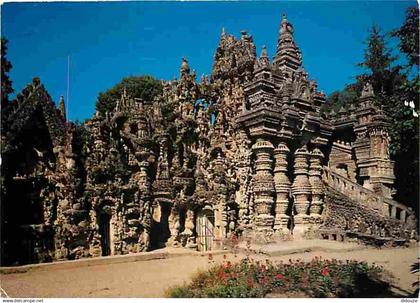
x: 317, y: 188
x: 145, y: 198
x: 174, y: 226
x: 301, y: 188
x: 263, y: 184
x: 190, y: 229
x: 282, y: 186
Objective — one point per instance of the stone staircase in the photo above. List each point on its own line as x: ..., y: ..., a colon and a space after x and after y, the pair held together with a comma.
x: 363, y: 195
x: 355, y: 211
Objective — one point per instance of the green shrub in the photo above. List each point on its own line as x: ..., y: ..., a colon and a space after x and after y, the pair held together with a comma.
x: 255, y: 279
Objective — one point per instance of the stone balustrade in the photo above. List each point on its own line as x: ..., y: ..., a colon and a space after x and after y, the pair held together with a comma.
x: 355, y: 191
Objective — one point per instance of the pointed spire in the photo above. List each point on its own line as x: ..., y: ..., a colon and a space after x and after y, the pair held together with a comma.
x: 264, y: 52
x: 223, y: 38
x: 62, y: 108
x: 367, y: 90
x: 264, y: 60
x: 122, y: 103
x: 185, y: 69
x: 342, y: 110
x: 288, y: 55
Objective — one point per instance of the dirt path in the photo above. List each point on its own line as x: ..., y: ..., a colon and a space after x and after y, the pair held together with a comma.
x: 152, y: 278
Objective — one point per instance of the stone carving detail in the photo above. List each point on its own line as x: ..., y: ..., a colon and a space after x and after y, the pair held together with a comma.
x: 200, y: 163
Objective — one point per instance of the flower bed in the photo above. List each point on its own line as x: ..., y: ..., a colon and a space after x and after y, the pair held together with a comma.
x: 317, y: 278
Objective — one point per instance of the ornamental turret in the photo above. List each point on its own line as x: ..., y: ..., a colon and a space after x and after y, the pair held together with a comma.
x: 288, y: 55
x: 62, y: 108
x: 185, y: 68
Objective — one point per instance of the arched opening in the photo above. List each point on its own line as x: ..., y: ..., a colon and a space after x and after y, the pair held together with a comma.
x: 160, y: 232
x: 205, y: 229
x: 104, y: 222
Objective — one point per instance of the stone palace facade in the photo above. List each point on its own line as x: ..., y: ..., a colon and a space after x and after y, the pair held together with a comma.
x: 245, y: 152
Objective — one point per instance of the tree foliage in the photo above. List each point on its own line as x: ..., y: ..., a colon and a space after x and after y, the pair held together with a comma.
x: 144, y: 87
x: 398, y: 93
x: 347, y: 97
x: 6, y: 66
x: 378, y: 62
x: 409, y: 36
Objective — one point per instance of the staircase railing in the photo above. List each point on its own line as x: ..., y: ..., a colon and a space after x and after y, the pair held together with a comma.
x: 367, y: 197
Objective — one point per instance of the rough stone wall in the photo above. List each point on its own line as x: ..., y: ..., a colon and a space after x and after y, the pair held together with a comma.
x: 349, y: 217
x: 240, y: 153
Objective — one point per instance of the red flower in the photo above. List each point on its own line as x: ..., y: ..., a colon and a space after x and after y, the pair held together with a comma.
x: 227, y: 265
x: 250, y: 282
x: 279, y: 277
x: 264, y: 280
x: 221, y: 274
x: 325, y: 272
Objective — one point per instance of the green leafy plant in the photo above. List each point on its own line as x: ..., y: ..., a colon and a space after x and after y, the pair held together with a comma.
x: 317, y: 278
x: 143, y: 87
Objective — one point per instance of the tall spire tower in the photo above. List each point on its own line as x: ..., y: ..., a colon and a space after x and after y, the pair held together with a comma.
x: 288, y: 56
x: 62, y: 108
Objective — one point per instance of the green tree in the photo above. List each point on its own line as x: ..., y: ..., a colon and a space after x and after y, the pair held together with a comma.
x: 403, y: 109
x: 6, y: 66
x: 144, y: 87
x: 347, y: 97
x: 408, y: 34
x: 395, y: 90
x: 378, y: 62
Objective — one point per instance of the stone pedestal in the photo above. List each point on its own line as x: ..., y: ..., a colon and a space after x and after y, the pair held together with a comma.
x: 301, y: 189
x: 282, y: 186
x: 263, y: 185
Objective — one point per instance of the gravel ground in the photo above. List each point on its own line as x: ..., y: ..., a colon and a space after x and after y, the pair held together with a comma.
x: 151, y: 278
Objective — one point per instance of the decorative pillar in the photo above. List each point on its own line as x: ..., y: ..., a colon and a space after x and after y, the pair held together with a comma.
x: 282, y: 186
x: 174, y: 226
x: 144, y: 190
x: 393, y: 212
x: 189, y: 229
x: 301, y: 188
x: 403, y: 216
x: 315, y: 172
x: 263, y: 184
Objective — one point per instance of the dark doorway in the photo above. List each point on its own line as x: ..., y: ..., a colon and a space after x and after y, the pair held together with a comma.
x: 104, y: 231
